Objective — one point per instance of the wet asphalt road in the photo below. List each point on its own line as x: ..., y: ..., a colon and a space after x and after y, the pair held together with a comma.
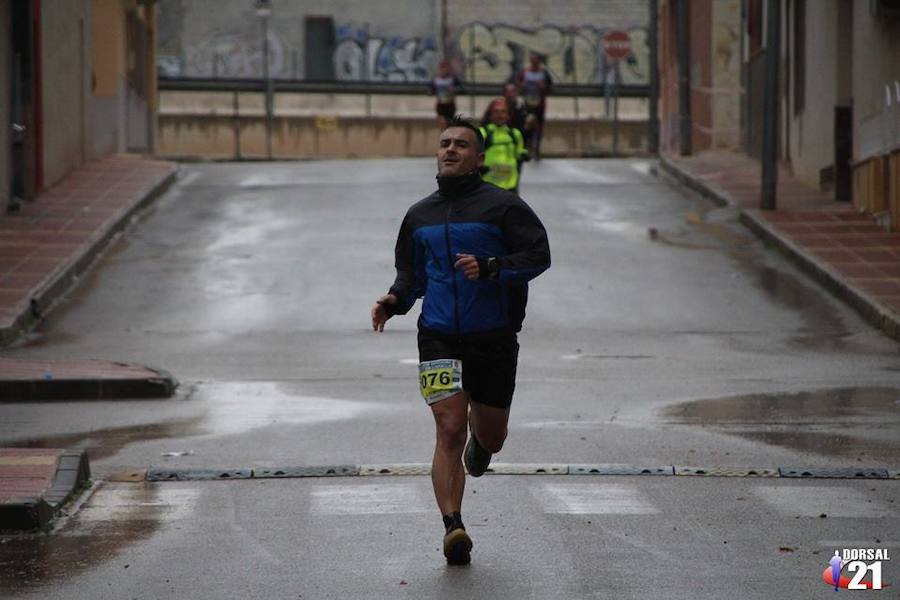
x: 693, y: 345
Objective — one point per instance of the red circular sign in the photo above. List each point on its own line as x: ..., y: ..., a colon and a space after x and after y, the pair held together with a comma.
x: 617, y: 45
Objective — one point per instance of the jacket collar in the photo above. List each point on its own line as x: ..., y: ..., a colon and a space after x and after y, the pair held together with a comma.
x: 456, y: 187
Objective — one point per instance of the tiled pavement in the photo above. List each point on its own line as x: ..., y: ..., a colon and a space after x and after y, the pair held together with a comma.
x: 842, y: 248
x: 26, y: 472
x: 56, y: 237
x: 36, y: 482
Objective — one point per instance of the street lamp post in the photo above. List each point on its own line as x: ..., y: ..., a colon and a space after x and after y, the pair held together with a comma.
x: 264, y: 11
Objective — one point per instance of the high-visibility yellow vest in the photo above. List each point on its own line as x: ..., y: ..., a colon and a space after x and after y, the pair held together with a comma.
x: 504, y: 148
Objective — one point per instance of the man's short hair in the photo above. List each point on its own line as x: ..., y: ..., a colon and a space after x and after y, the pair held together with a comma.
x: 460, y: 121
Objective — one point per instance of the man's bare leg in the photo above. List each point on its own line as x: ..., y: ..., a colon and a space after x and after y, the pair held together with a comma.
x: 489, y: 424
x: 447, y: 474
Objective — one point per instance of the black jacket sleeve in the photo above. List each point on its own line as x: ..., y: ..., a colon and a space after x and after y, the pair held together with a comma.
x: 410, y: 283
x: 529, y: 248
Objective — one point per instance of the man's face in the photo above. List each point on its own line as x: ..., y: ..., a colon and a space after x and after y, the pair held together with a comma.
x: 458, y: 153
x: 510, y: 92
x: 535, y: 61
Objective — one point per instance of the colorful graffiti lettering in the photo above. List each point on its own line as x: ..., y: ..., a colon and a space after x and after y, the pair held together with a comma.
x: 360, y: 57
x: 494, y: 53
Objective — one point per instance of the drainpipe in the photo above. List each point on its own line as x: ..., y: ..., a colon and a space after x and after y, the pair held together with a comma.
x: 684, y: 79
x: 767, y: 200
x: 653, y: 42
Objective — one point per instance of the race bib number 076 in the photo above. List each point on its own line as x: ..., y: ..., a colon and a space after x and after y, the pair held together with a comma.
x: 439, y: 379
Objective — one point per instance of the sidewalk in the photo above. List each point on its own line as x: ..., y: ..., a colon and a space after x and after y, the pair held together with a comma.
x: 36, y: 482
x: 45, y: 247
x: 841, y: 248
x: 51, y: 241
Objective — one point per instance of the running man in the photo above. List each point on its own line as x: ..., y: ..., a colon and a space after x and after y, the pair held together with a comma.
x: 469, y: 248
x: 534, y: 83
x: 445, y: 86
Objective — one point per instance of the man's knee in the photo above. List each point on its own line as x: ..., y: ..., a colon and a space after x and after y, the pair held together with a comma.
x: 451, y: 432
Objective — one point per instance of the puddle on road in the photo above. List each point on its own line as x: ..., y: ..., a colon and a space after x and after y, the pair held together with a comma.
x: 224, y: 408
x: 847, y: 422
x: 112, y: 519
x: 103, y: 443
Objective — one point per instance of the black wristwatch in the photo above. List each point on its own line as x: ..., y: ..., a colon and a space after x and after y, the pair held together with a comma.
x: 493, y: 267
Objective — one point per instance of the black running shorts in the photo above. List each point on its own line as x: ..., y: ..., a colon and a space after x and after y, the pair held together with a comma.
x: 446, y: 110
x: 488, y: 365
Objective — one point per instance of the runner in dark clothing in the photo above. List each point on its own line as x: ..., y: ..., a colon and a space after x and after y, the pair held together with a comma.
x: 515, y: 106
x: 470, y: 249
x: 535, y: 84
x: 445, y: 87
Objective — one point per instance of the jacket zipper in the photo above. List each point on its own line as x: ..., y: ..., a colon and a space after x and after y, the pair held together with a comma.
x: 452, y: 269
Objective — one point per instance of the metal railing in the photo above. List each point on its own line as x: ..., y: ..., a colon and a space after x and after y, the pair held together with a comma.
x: 378, y: 87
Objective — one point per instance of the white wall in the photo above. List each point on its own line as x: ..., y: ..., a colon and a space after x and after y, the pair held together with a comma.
x: 812, y: 130
x: 876, y: 62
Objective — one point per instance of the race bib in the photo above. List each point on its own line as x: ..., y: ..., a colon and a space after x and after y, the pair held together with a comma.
x: 439, y: 379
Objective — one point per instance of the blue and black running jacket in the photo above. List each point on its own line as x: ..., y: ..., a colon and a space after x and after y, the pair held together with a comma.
x: 468, y: 216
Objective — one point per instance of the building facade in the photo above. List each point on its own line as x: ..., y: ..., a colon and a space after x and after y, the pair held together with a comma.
x: 79, y: 84
x: 839, y: 90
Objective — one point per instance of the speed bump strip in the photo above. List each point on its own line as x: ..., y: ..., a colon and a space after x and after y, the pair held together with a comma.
x: 413, y: 469
x: 398, y: 469
x: 717, y: 472
x: 613, y: 469
x: 528, y: 469
x: 325, y: 471
x: 839, y: 473
x: 164, y: 474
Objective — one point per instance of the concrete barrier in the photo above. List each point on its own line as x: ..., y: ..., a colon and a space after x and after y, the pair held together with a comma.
x: 225, y: 137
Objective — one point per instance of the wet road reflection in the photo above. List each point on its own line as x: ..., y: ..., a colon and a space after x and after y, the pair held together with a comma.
x: 115, y: 517
x: 859, y: 423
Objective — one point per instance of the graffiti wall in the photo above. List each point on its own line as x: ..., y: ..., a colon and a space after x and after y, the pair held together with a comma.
x: 495, y: 53
x: 359, y: 56
x: 372, y: 42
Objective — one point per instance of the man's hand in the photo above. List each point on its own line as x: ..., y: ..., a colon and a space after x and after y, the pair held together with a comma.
x: 468, y: 264
x: 379, y: 313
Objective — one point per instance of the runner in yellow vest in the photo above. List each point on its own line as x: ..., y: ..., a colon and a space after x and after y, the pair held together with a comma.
x: 504, y: 148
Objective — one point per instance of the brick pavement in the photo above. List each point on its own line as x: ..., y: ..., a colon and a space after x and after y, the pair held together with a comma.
x: 839, y: 246
x: 55, y: 238
x: 45, y: 247
x: 35, y: 483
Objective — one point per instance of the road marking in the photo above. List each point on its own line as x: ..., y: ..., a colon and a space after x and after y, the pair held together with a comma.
x: 593, y: 499
x: 813, y: 501
x: 375, y: 499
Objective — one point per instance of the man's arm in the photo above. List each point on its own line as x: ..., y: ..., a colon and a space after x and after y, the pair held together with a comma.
x: 406, y: 287
x: 529, y: 248
x: 529, y: 255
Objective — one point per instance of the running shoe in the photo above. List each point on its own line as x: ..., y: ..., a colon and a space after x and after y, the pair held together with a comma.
x: 457, y: 547
x: 476, y: 458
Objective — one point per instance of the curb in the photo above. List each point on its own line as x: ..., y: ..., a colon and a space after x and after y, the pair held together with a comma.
x: 73, y: 471
x: 867, y: 307
x: 166, y: 474
x: 163, y: 385
x: 68, y: 274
